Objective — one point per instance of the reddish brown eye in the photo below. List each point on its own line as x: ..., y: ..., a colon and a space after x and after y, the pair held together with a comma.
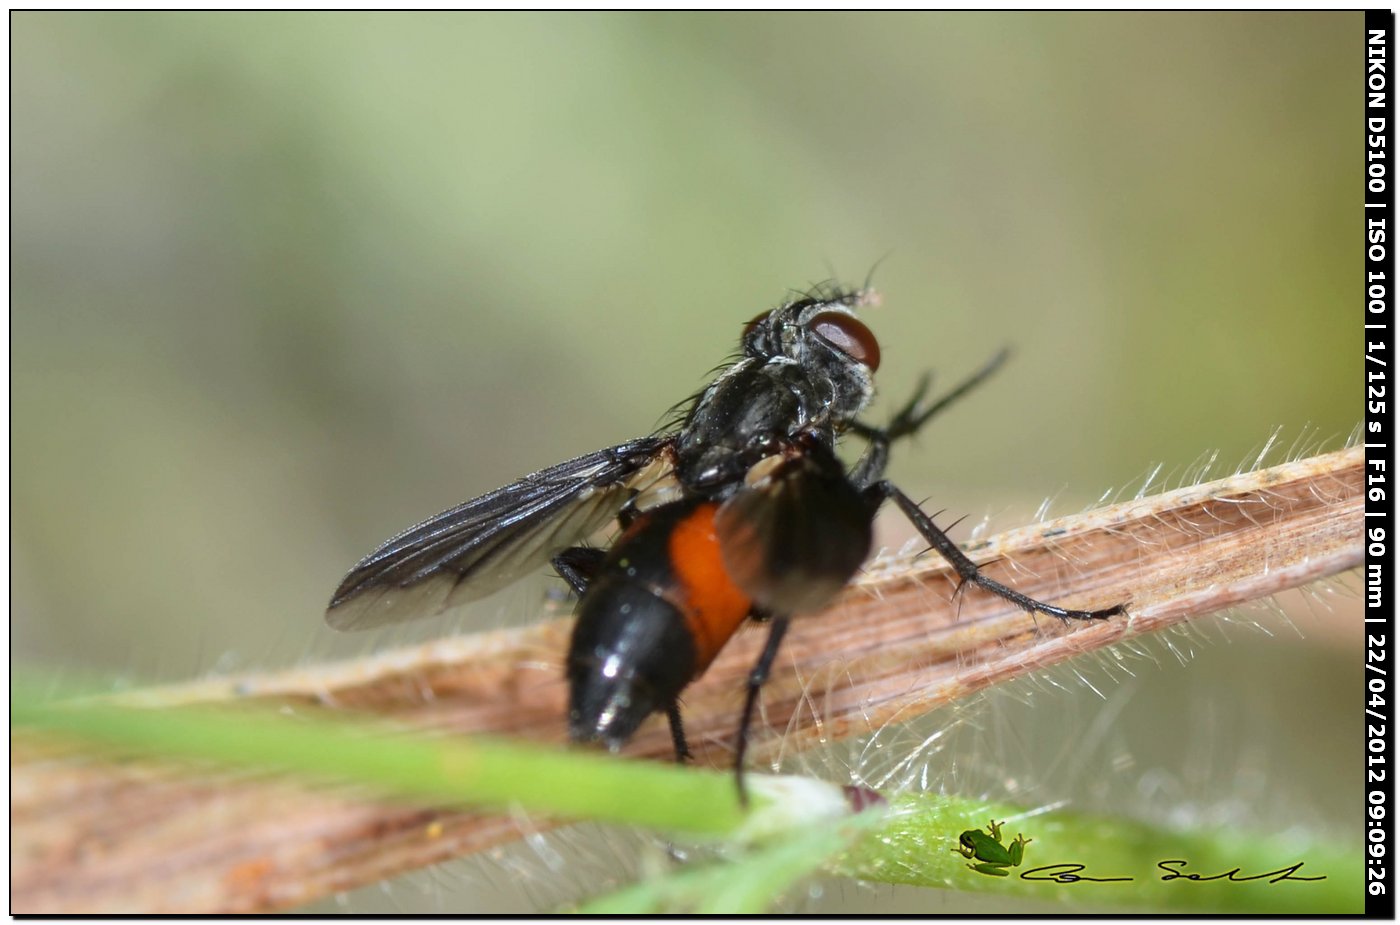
x: 847, y: 335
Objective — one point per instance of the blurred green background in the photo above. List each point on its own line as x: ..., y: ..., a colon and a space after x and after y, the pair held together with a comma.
x: 283, y: 284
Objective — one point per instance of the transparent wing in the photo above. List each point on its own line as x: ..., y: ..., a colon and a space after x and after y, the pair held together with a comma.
x: 483, y: 545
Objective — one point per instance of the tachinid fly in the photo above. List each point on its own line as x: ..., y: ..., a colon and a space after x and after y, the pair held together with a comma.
x: 741, y: 510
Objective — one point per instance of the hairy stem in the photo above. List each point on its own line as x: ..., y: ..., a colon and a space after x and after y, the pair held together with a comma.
x: 106, y: 836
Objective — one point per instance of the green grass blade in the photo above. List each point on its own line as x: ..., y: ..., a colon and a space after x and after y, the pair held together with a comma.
x: 915, y: 846
x: 457, y: 770
x: 747, y: 884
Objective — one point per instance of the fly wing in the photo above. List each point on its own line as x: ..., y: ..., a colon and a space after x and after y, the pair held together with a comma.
x: 796, y: 533
x: 483, y: 545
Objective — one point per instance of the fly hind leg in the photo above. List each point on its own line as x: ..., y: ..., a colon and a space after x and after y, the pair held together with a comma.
x: 673, y: 715
x: 777, y: 627
x: 967, y: 569
x: 578, y: 566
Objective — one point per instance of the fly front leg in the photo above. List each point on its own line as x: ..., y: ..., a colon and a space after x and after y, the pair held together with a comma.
x: 877, y: 454
x: 967, y: 569
x: 909, y: 419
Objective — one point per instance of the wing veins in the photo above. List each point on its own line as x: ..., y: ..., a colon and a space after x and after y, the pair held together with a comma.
x: 507, y: 530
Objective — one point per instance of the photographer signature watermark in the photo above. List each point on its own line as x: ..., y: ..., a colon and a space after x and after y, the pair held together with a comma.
x: 1173, y: 869
x: 992, y: 857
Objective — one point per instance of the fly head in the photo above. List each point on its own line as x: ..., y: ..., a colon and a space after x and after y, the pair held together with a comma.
x: 834, y: 349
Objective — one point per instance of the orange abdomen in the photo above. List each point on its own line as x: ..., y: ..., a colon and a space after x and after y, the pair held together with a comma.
x: 652, y: 620
x: 712, y: 605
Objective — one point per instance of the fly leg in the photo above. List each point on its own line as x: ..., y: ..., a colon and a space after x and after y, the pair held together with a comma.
x: 673, y: 714
x: 777, y: 626
x: 967, y: 570
x: 909, y: 419
x: 578, y: 565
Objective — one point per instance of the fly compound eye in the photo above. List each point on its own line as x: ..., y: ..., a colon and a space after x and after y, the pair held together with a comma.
x: 848, y: 335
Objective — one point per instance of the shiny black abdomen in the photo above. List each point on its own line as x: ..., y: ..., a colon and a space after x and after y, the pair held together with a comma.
x: 631, y: 652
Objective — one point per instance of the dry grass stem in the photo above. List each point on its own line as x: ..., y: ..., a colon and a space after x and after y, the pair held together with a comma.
x: 102, y: 837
